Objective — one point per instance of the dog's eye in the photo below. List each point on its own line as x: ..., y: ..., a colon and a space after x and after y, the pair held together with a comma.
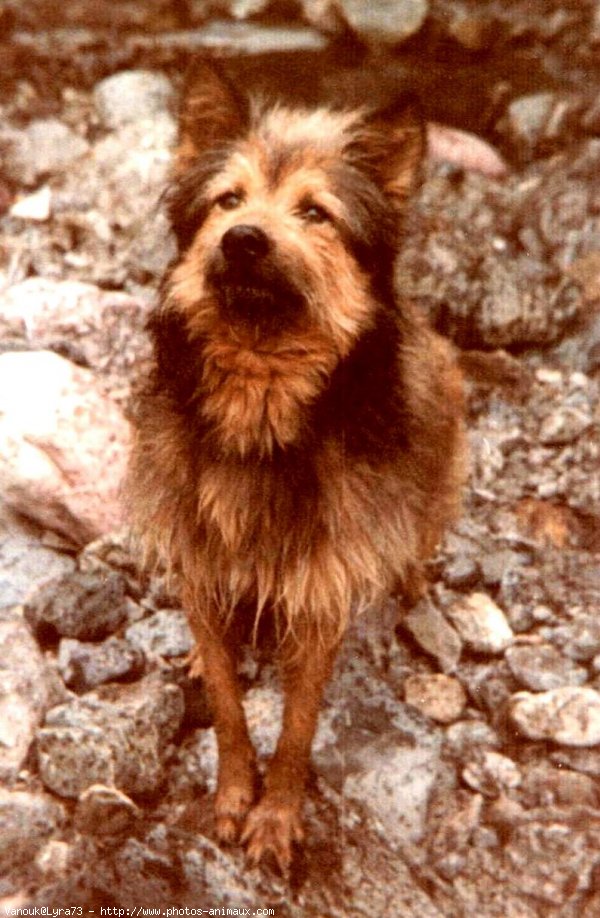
x: 313, y: 213
x: 230, y: 200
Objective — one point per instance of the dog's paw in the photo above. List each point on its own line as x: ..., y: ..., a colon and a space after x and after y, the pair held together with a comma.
x: 271, y: 830
x: 232, y: 804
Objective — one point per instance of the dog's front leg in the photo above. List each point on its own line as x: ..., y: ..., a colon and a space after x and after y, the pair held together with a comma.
x: 237, y: 777
x: 276, y: 822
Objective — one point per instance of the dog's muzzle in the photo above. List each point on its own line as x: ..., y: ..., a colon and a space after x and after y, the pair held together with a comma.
x: 250, y: 285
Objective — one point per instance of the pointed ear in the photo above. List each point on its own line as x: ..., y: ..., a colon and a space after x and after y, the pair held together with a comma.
x: 392, y: 147
x: 212, y: 111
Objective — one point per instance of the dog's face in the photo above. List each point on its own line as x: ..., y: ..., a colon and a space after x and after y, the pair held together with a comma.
x: 285, y: 218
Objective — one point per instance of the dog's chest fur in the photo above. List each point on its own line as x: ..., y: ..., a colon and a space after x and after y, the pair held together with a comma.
x: 256, y: 400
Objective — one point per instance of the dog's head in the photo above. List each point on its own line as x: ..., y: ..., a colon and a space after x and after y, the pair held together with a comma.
x: 287, y: 217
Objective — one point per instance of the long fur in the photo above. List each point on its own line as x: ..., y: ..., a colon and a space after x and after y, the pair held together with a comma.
x: 308, y: 467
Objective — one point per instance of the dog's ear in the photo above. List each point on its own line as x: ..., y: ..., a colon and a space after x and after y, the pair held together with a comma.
x: 392, y: 146
x: 212, y: 111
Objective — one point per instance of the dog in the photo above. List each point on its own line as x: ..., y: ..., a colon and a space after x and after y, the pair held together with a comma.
x: 299, y: 441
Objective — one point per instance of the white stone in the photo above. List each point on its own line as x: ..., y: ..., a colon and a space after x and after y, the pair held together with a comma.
x: 569, y: 715
x: 24, y: 694
x: 481, y: 623
x: 463, y: 149
x: 389, y: 21
x: 131, y: 95
x: 63, y: 445
x: 35, y: 207
x: 492, y: 774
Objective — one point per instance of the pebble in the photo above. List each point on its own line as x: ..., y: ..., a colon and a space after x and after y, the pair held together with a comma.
x: 437, y: 696
x: 568, y: 715
x: 26, y: 821
x: 26, y: 691
x: 527, y: 117
x: 481, y: 623
x: 117, y: 738
x: 434, y: 634
x: 36, y: 206
x: 579, y: 640
x: 388, y: 21
x: 45, y: 147
x: 473, y: 30
x: 85, y: 606
x: 492, y: 774
x: 564, y: 426
x: 25, y: 563
x: 466, y: 735
x: 166, y: 633
x: 541, y: 667
x: 131, y: 95
x: 465, y: 150
x: 84, y: 666
x: 497, y: 565
x: 461, y: 572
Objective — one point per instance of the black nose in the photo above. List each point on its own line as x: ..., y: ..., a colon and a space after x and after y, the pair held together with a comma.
x: 245, y: 241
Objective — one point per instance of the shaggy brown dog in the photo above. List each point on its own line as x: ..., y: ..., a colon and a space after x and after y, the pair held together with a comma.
x: 299, y: 444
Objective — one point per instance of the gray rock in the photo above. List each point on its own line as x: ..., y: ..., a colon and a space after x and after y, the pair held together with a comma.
x: 541, y: 667
x: 128, y: 172
x: 461, y: 573
x: 385, y: 757
x: 166, y: 633
x: 84, y: 666
x: 25, y: 562
x: 45, y: 147
x: 492, y: 774
x: 27, y: 689
x: 117, y: 738
x: 553, y: 880
x: 490, y: 686
x: 579, y: 639
x: 434, y: 634
x: 141, y: 870
x: 468, y: 279
x: 564, y: 426
x: 466, y: 736
x: 85, y: 606
x: 205, y: 865
x: 103, y: 329
x: 569, y: 715
x: 481, y: 623
x: 388, y: 21
x: 498, y: 565
x: 528, y: 117
x: 131, y: 95
x: 26, y: 821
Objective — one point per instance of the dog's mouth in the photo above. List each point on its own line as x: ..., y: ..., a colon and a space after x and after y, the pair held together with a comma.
x: 261, y: 298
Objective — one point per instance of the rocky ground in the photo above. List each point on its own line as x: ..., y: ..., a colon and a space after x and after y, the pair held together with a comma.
x: 457, y: 764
